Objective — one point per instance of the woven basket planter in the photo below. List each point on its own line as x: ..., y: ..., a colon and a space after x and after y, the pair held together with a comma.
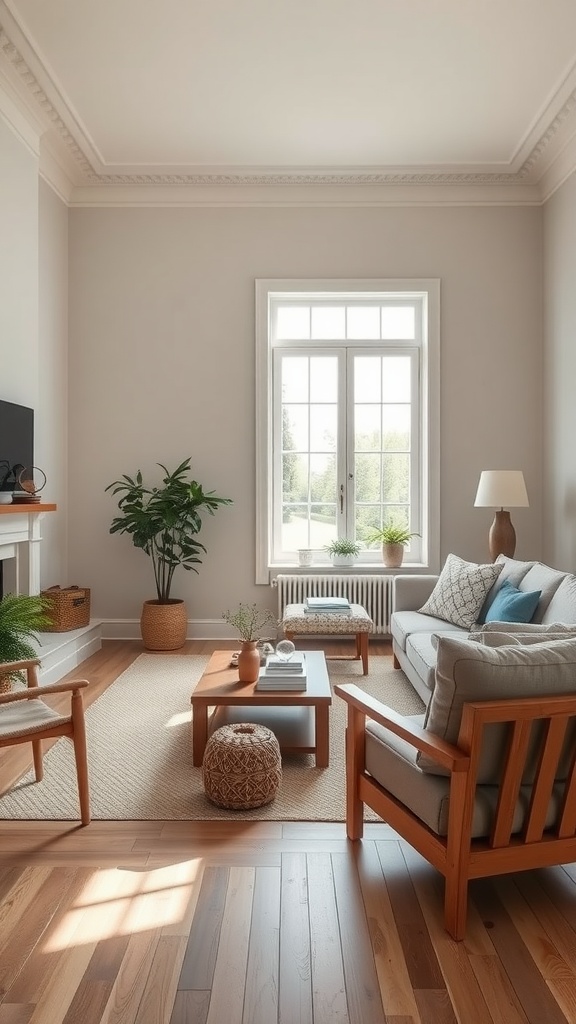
x: 164, y: 626
x: 242, y: 767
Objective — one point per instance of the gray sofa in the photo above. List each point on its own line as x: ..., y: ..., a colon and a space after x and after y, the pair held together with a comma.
x: 414, y: 632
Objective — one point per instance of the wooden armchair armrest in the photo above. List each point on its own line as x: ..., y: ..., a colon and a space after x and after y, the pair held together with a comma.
x: 42, y: 691
x: 445, y: 754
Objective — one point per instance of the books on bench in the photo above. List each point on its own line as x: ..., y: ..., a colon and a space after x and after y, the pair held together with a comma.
x: 283, y: 675
x: 324, y: 605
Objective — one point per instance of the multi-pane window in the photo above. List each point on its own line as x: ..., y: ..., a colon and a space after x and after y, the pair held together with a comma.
x: 342, y: 420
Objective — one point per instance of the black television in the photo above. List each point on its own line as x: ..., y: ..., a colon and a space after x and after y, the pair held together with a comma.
x: 16, y: 437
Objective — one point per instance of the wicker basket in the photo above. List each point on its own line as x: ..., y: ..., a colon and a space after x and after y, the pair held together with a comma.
x: 69, y: 608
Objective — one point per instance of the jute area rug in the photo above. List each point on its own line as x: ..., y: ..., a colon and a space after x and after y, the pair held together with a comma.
x: 140, y: 757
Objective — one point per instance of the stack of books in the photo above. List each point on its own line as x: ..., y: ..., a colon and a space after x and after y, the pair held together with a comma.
x: 325, y: 605
x: 277, y: 674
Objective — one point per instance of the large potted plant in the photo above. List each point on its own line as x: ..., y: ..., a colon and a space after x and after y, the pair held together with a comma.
x: 21, y: 616
x: 164, y: 522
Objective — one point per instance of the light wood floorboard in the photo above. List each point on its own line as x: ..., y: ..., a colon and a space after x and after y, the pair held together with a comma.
x: 188, y: 922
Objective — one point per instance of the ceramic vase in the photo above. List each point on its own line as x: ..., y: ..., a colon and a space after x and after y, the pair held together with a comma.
x: 248, y: 662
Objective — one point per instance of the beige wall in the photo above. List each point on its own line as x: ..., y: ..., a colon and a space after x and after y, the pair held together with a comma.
x: 51, y: 442
x: 161, y: 366
x: 559, y: 482
x: 18, y: 270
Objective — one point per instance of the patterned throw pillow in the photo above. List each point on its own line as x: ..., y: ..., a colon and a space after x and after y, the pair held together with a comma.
x: 461, y: 591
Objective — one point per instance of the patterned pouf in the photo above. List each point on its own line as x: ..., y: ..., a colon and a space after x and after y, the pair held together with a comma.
x: 242, y: 767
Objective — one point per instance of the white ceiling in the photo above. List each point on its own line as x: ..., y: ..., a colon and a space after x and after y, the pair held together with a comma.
x: 341, y: 91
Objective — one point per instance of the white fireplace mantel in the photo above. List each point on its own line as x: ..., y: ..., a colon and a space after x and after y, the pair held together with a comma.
x: 20, y: 525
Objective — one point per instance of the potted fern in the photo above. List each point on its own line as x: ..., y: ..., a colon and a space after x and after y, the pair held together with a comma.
x: 394, y: 537
x: 164, y: 522
x: 21, y: 616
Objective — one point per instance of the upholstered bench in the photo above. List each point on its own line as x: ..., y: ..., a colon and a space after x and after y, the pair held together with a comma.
x: 297, y: 622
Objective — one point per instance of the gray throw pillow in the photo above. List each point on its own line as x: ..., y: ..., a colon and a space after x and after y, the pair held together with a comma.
x: 461, y: 591
x: 468, y: 671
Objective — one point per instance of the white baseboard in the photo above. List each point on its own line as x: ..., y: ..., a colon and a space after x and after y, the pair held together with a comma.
x: 59, y: 653
x: 198, y: 629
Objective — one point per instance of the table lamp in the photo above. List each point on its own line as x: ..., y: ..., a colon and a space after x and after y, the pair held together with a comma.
x: 496, y: 488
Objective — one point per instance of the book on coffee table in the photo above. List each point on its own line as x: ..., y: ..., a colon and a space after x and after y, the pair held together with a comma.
x: 295, y: 681
x: 295, y: 664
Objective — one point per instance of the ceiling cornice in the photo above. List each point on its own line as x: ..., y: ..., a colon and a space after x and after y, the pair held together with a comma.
x: 70, y: 155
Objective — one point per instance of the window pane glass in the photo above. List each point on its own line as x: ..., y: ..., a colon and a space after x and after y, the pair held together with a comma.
x: 396, y: 379
x: 295, y: 528
x: 367, y: 519
x: 323, y: 478
x: 367, y: 469
x: 367, y: 432
x: 398, y: 322
x: 294, y: 477
x: 323, y: 379
x: 396, y: 478
x: 293, y: 322
x: 328, y: 322
x: 323, y: 428
x: 363, y: 322
x: 295, y: 428
x: 322, y: 525
x: 367, y: 379
x: 396, y: 428
x: 295, y: 378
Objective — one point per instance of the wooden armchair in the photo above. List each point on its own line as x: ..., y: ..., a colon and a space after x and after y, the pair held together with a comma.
x: 25, y: 718
x: 462, y: 817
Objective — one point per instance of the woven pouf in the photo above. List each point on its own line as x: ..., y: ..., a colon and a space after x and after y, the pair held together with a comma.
x: 242, y: 767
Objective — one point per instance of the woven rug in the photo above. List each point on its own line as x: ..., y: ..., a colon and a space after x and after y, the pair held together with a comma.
x: 140, y: 757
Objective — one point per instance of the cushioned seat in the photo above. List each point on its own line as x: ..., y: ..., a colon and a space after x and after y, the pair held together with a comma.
x: 298, y: 622
x: 485, y: 782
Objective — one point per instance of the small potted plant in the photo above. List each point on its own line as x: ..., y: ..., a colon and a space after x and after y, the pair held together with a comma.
x: 249, y: 620
x: 343, y: 551
x: 394, y: 537
x: 21, y: 615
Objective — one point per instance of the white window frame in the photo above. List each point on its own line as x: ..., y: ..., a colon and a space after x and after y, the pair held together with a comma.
x: 426, y: 483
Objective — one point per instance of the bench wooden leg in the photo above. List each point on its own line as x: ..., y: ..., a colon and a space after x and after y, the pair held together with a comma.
x: 362, y: 638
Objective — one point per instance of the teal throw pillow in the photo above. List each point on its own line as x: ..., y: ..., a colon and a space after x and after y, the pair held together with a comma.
x: 512, y: 605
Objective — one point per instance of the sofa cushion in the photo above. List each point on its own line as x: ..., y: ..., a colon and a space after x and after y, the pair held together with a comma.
x: 391, y: 761
x: 492, y: 638
x: 404, y: 624
x: 544, y: 578
x: 512, y: 570
x: 461, y: 590
x: 542, y: 630
x: 512, y: 605
x: 562, y: 607
x: 421, y: 652
x: 468, y: 671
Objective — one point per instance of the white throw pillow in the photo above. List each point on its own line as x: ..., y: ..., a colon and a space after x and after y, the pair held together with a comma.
x: 461, y: 591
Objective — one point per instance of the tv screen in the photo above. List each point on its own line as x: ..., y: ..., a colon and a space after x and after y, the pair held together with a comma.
x: 16, y: 436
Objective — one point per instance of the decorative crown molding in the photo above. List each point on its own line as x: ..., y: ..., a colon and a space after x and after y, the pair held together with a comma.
x: 531, y: 170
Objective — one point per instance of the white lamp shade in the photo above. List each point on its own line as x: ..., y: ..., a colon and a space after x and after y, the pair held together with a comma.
x: 501, y: 488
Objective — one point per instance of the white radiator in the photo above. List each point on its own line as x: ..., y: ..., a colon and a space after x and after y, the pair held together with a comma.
x: 374, y: 593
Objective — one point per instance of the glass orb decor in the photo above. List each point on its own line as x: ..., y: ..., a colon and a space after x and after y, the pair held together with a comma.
x: 285, y: 649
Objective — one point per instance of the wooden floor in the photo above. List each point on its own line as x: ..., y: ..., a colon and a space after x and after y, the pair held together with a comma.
x: 188, y: 922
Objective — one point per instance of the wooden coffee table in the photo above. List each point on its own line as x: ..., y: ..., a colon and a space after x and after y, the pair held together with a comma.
x: 298, y: 718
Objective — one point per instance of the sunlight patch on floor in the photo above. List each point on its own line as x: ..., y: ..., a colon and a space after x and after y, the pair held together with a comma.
x: 122, y: 902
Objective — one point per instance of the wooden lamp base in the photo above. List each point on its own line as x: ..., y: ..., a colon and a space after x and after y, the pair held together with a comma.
x: 502, y: 536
